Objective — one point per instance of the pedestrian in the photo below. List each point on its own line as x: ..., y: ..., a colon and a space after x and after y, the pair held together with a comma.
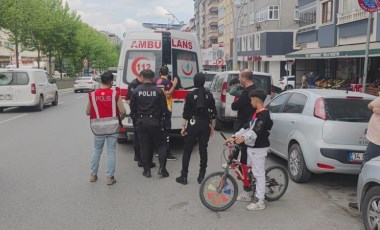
x: 243, y: 106
x: 373, y: 136
x: 168, y: 88
x: 198, y: 124
x: 311, y: 81
x: 136, y: 145
x: 148, y: 103
x: 255, y: 135
x: 304, y: 81
x: 106, y: 110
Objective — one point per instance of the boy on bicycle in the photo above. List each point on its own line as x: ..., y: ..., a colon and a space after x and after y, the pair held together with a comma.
x: 255, y: 135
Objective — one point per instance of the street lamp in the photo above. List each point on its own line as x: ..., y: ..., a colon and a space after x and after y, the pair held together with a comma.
x: 236, y: 21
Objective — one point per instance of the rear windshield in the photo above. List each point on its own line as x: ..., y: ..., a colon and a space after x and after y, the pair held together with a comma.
x: 13, y: 78
x: 349, y: 110
x: 261, y: 82
x: 210, y: 76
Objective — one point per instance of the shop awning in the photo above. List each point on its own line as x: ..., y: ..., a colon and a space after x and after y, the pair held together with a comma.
x: 348, y: 51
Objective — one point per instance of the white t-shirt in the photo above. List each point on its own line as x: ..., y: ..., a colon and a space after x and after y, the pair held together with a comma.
x: 373, y: 132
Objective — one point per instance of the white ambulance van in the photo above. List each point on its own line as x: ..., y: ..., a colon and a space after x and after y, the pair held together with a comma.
x: 150, y: 50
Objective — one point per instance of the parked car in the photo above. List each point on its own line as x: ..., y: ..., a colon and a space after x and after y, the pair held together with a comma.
x: 27, y: 87
x: 320, y: 131
x: 209, y: 78
x: 85, y: 83
x: 287, y: 83
x: 368, y: 194
x: 220, y: 89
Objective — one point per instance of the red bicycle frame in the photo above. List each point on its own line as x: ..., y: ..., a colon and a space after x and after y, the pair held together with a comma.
x: 243, y: 174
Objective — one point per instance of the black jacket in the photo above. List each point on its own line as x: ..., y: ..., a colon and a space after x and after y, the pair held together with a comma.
x: 131, y: 87
x: 148, y: 99
x: 262, y: 126
x: 243, y: 105
x: 190, y: 110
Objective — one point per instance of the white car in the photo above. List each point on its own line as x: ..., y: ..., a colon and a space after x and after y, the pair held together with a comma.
x: 287, y: 83
x: 27, y: 87
x: 85, y: 84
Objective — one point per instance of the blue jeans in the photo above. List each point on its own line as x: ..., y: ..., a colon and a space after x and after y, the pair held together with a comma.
x: 111, y: 151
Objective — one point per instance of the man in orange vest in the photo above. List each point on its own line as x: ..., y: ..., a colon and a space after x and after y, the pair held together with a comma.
x: 106, y: 110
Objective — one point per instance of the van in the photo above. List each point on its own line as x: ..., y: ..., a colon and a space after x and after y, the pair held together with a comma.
x: 150, y: 50
x: 27, y: 87
x: 220, y: 89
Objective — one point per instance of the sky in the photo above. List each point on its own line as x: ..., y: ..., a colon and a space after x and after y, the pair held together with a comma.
x: 119, y: 16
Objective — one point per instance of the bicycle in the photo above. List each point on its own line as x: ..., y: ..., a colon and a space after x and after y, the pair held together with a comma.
x: 219, y: 190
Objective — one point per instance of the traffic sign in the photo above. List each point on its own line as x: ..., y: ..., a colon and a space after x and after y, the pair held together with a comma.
x: 369, y: 5
x: 219, y: 62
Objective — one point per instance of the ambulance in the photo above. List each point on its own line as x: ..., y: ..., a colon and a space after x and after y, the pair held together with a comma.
x: 178, y: 50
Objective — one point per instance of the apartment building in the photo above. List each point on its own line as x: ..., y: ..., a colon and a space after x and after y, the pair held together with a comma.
x: 226, y: 29
x: 266, y: 30
x: 332, y: 35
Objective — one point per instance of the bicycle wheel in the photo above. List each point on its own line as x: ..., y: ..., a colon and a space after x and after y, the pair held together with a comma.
x: 218, y: 192
x: 277, y: 181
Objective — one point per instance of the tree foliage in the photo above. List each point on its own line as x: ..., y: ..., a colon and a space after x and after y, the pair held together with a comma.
x: 52, y: 29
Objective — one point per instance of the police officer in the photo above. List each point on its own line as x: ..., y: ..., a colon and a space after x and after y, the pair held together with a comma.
x: 149, y: 104
x: 136, y: 145
x: 198, y: 124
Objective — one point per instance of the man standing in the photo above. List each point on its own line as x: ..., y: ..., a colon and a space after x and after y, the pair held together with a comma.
x: 104, y: 108
x: 244, y: 108
x: 311, y: 81
x: 148, y: 103
x: 136, y: 145
x: 168, y: 88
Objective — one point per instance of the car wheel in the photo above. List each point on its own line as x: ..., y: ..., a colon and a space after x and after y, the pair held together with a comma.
x: 218, y: 124
x: 75, y: 91
x: 55, y: 102
x: 1, y: 109
x: 297, y: 166
x: 40, y: 105
x: 288, y: 87
x: 371, y: 208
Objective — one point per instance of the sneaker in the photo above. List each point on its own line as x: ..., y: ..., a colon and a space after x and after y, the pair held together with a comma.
x: 170, y: 157
x: 111, y: 181
x: 255, y: 206
x: 353, y: 206
x: 245, y: 197
x: 93, y: 178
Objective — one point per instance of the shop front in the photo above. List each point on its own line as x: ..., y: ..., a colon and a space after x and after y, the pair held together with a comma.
x: 339, y: 67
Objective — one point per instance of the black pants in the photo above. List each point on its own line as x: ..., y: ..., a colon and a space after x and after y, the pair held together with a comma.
x: 200, y: 132
x: 136, y: 141
x: 167, y: 127
x: 243, y: 159
x: 371, y: 152
x: 150, y: 133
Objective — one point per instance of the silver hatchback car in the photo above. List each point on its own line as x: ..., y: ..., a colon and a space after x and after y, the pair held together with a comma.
x: 320, y: 131
x: 368, y: 195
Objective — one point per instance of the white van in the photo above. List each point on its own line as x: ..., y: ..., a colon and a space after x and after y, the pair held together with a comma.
x: 150, y: 50
x: 220, y: 88
x: 27, y: 87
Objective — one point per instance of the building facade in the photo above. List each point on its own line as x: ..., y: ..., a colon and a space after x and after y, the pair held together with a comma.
x: 332, y: 36
x: 266, y: 30
x: 226, y: 30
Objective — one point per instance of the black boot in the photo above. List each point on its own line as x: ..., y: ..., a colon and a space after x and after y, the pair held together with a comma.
x: 201, y: 176
x: 163, y: 172
x: 181, y: 180
x: 147, y: 173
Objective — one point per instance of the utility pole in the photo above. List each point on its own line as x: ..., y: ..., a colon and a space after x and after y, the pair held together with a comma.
x: 236, y: 15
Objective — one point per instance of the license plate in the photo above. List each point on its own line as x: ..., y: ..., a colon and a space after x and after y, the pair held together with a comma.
x: 355, y: 157
x: 6, y: 97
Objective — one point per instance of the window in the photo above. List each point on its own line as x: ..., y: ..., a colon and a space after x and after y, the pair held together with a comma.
x: 276, y: 104
x: 257, y: 42
x: 252, y: 18
x: 327, y: 11
x: 273, y: 13
x: 15, y: 78
x: 307, y: 16
x: 346, y: 110
x: 295, y: 104
x: 349, y: 6
x: 213, y: 84
x: 221, y: 13
x: 296, y: 13
x: 221, y: 30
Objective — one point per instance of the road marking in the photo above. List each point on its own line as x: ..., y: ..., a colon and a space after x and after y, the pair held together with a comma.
x: 60, y: 103
x: 80, y: 97
x: 64, y: 93
x: 13, y: 118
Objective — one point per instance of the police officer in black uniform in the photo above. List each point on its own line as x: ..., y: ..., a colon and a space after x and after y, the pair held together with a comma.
x: 148, y: 103
x: 136, y: 145
x: 198, y: 125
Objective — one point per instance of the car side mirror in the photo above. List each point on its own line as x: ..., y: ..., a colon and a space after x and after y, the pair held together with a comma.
x: 52, y: 81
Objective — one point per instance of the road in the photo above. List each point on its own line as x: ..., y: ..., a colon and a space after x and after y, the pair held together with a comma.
x: 44, y: 177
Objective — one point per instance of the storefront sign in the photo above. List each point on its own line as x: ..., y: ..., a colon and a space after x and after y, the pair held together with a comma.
x: 369, y: 5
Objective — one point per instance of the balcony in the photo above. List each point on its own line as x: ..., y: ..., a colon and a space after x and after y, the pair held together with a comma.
x: 352, y: 17
x: 213, y: 6
x: 213, y: 34
x: 213, y: 20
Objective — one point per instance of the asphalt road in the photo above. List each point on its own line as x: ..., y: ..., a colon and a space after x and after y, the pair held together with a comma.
x: 44, y: 184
